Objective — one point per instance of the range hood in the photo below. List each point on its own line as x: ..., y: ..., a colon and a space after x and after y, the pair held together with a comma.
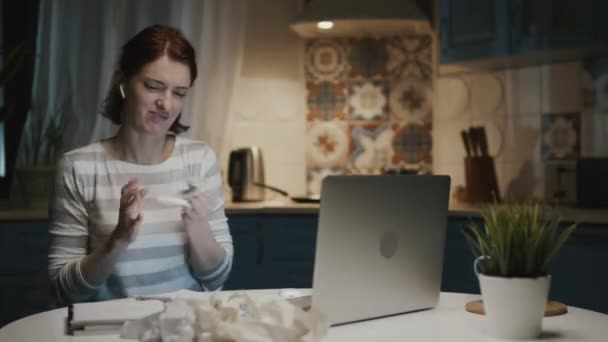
x: 353, y: 18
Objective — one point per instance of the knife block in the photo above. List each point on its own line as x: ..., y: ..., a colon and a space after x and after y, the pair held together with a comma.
x: 480, y: 180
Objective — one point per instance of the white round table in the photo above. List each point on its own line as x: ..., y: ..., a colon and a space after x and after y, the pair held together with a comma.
x: 447, y: 322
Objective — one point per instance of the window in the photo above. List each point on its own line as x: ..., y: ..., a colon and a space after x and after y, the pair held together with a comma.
x: 18, y: 22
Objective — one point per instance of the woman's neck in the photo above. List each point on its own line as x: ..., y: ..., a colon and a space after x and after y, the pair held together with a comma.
x: 142, y: 149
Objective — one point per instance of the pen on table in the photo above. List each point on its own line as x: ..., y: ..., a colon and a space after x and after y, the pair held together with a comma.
x: 163, y: 299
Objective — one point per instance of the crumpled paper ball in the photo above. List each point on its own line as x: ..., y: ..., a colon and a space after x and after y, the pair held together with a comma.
x: 236, y: 317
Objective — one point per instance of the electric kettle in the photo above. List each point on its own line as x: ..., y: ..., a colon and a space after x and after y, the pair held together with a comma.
x: 246, y: 174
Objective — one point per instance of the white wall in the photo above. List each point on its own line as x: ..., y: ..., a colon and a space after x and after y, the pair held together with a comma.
x: 268, y: 108
x: 510, y: 103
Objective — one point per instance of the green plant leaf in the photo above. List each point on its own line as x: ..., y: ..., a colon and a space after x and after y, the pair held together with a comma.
x: 520, y: 239
x: 46, y: 129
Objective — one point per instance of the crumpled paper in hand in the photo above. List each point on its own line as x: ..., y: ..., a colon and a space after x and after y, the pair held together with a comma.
x: 236, y: 317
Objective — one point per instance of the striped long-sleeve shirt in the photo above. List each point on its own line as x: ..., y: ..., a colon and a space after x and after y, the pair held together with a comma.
x: 85, y: 212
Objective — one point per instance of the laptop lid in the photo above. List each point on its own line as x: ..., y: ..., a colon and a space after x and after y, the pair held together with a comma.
x: 380, y: 245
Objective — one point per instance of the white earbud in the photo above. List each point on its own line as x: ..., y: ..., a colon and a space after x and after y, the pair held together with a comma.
x: 122, y: 91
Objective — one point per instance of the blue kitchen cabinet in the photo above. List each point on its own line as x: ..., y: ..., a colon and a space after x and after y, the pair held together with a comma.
x: 473, y: 29
x: 487, y: 29
x: 22, y: 295
x: 289, y: 250
x: 246, y: 231
x: 541, y: 25
x: 272, y: 251
x: 24, y: 245
x: 600, y: 24
x: 458, y: 275
x: 578, y: 271
x: 23, y: 286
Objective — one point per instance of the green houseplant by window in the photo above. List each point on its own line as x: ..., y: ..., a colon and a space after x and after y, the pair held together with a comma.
x: 41, y: 146
x: 514, y: 249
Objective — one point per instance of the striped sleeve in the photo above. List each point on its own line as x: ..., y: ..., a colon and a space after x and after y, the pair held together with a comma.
x: 68, y: 237
x: 212, y: 185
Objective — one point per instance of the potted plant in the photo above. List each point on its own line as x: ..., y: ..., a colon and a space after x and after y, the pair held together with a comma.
x: 41, y: 146
x: 514, y: 249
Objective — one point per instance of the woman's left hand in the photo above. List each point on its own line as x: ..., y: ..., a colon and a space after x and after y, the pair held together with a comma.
x: 206, y: 253
x: 196, y: 217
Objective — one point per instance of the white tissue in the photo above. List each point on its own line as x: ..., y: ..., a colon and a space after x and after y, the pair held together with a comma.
x: 172, y: 201
x: 230, y: 317
x: 176, y: 322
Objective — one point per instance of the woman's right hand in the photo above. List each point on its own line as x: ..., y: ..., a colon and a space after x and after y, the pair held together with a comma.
x: 129, y: 216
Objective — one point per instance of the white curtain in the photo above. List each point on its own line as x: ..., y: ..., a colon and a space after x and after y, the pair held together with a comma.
x: 79, y: 42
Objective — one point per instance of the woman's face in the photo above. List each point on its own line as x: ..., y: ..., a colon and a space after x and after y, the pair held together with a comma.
x: 155, y: 96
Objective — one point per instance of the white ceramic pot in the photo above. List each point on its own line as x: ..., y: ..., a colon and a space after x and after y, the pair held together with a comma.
x: 514, y: 307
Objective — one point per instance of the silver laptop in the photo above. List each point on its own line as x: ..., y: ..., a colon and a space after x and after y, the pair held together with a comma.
x: 380, y: 245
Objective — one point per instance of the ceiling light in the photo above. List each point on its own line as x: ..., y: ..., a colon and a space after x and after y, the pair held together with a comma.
x: 325, y: 25
x: 358, y: 18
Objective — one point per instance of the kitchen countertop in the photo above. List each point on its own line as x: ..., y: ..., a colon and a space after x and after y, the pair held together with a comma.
x: 284, y: 206
x: 272, y: 207
x: 569, y: 214
x: 23, y: 214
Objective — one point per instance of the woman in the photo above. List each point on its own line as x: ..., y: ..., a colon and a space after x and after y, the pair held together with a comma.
x: 111, y: 234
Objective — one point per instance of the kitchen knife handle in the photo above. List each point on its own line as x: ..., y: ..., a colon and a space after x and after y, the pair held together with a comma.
x: 474, y: 141
x: 466, y: 141
x: 483, y: 141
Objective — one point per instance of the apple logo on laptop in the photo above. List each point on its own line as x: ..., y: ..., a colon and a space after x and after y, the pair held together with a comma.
x: 388, y: 244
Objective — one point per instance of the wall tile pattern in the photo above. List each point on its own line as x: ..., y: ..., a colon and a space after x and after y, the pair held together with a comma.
x: 370, y: 105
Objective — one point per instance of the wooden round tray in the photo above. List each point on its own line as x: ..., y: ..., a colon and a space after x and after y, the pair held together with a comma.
x: 552, y: 308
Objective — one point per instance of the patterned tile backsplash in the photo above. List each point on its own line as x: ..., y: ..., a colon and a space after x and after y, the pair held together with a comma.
x: 368, y: 100
x: 411, y: 100
x: 372, y: 144
x: 410, y: 56
x: 412, y: 144
x: 370, y: 105
x: 327, y: 60
x: 560, y: 135
x: 368, y: 59
x: 327, y: 101
x: 328, y: 144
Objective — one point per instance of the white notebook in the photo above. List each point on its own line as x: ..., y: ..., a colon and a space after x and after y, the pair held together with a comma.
x: 114, y: 311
